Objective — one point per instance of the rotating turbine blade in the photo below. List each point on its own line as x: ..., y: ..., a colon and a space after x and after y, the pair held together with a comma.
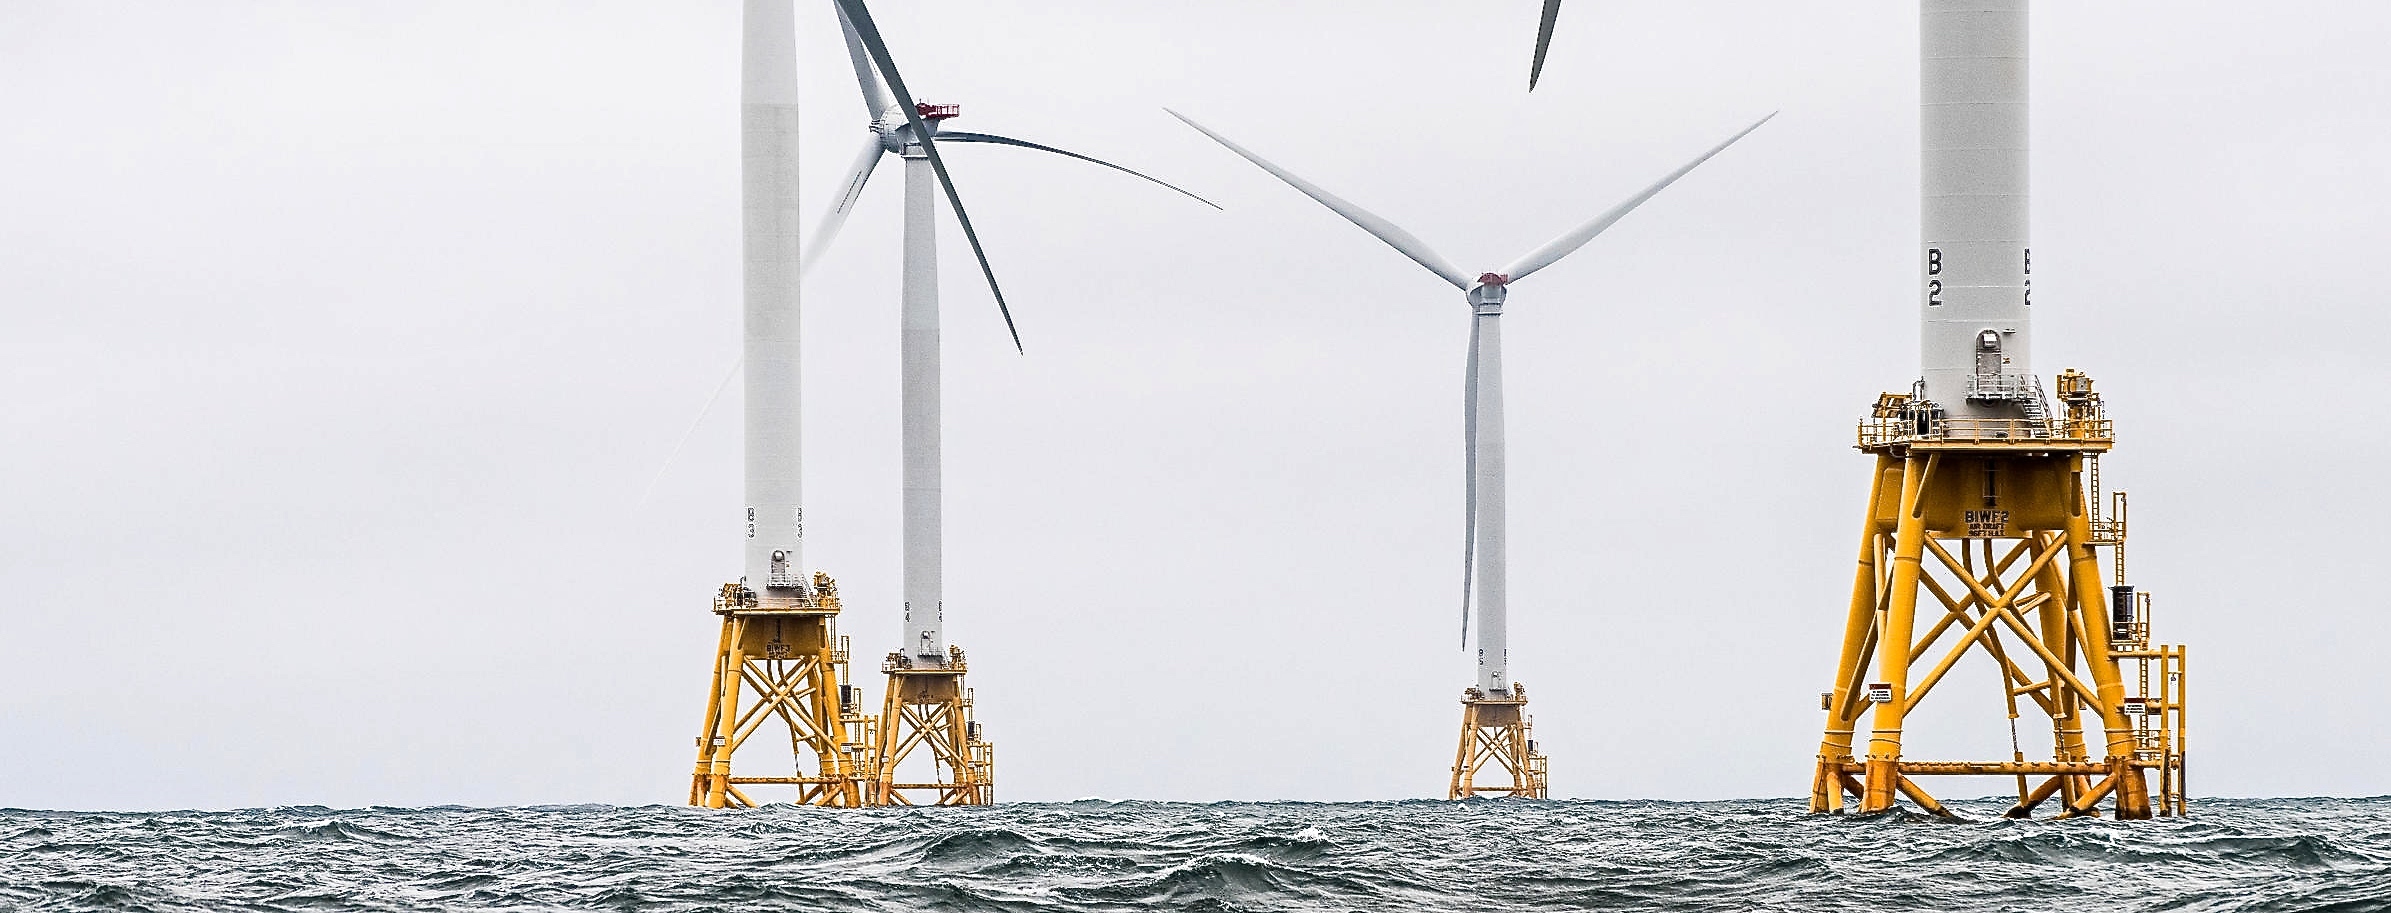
x: 861, y: 19
x: 683, y: 443
x: 875, y: 95
x: 1469, y: 500
x: 954, y: 136
x: 1402, y: 241
x: 837, y: 217
x: 1577, y: 237
x: 1552, y: 13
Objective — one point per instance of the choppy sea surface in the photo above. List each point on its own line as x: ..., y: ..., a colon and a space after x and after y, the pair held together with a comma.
x: 1501, y: 855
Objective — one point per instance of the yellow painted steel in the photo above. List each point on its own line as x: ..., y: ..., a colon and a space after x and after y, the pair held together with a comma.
x: 1497, y: 735
x: 1859, y: 638
x: 1997, y: 522
x: 929, y: 709
x: 783, y: 663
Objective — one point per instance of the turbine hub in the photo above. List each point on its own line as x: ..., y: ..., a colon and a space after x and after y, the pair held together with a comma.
x: 1487, y: 298
x: 892, y: 130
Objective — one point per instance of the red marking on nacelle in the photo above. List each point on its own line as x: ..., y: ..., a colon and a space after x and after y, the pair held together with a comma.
x: 1493, y: 279
x: 929, y: 111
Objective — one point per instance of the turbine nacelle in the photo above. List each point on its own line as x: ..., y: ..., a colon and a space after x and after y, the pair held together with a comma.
x: 896, y: 132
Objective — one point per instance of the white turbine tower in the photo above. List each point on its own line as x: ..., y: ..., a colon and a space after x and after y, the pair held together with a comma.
x: 768, y: 202
x: 925, y: 688
x: 1484, y: 551
x: 779, y: 625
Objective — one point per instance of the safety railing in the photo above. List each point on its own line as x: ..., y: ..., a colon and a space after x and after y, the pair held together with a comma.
x: 1877, y: 432
x: 2108, y: 529
x: 2004, y: 387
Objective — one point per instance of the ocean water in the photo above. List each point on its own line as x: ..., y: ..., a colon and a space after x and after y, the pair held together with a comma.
x: 1500, y: 855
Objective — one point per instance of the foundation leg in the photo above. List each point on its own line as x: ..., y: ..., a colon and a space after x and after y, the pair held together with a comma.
x: 726, y: 722
x: 1893, y: 645
x: 703, y: 777
x: 2132, y: 789
x: 1834, y: 748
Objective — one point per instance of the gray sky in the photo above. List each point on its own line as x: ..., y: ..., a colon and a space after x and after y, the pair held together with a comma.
x: 338, y: 342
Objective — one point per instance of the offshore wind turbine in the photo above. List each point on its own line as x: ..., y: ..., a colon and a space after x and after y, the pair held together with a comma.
x: 1495, y: 728
x: 927, y: 704
x: 1975, y: 459
x: 779, y: 625
x: 892, y: 133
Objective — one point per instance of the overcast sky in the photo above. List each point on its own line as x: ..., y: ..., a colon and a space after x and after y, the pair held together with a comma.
x: 338, y: 343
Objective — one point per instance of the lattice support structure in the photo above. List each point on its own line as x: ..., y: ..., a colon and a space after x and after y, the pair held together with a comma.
x: 1985, y: 534
x: 927, y: 717
x: 1498, y: 739
x: 781, y: 667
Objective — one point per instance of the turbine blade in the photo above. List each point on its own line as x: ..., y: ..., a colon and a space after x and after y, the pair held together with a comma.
x: 875, y: 95
x: 861, y: 19
x: 1552, y: 13
x: 683, y: 443
x: 836, y: 218
x: 1577, y: 237
x: 1469, y: 501
x: 953, y: 136
x: 1402, y: 241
